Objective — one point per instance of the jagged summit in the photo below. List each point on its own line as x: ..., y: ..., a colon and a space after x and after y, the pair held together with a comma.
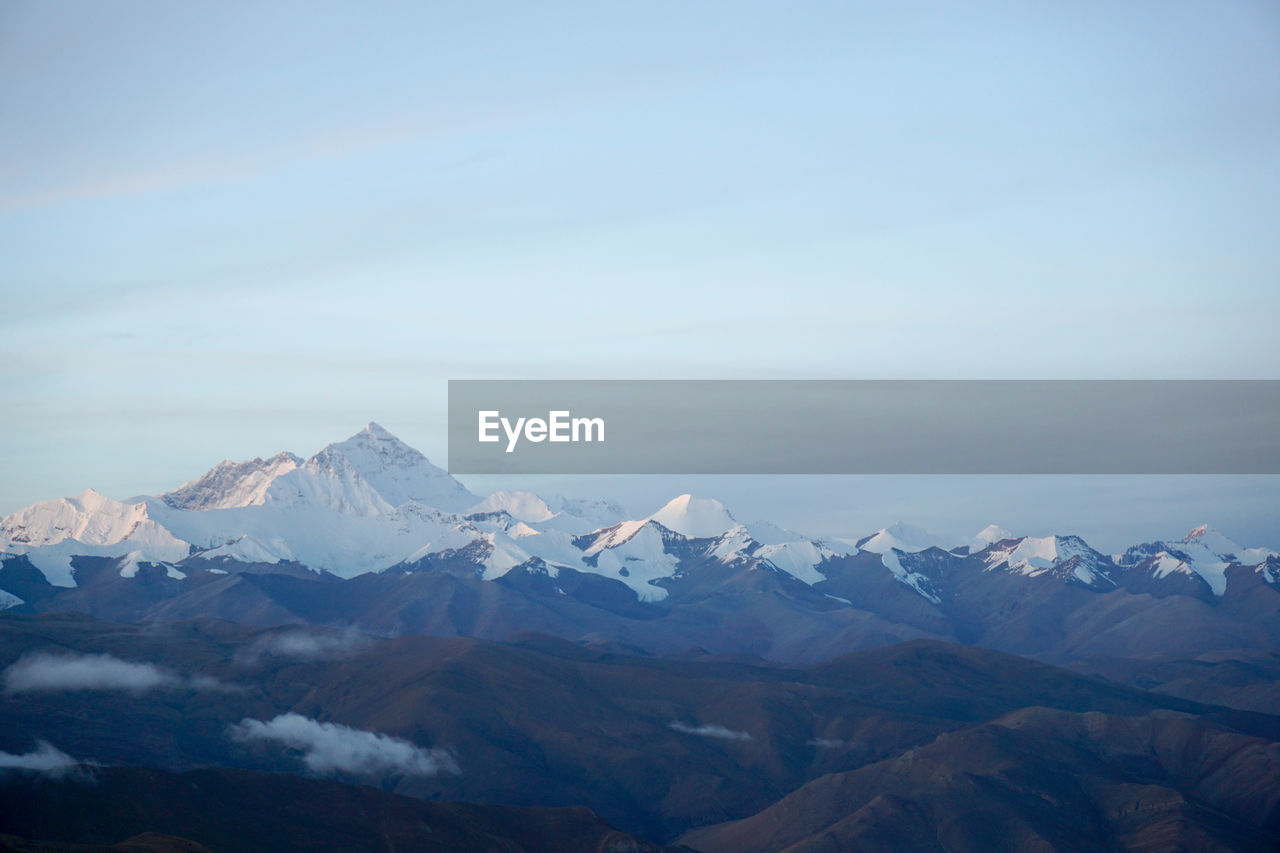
x: 370, y: 473
x: 396, y: 472
x: 232, y: 484
x: 1211, y: 539
x: 1058, y: 556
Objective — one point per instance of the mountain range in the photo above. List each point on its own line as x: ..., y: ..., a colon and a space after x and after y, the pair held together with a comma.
x: 368, y: 534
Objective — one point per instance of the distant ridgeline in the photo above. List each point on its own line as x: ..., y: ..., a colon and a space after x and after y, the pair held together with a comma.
x: 368, y: 533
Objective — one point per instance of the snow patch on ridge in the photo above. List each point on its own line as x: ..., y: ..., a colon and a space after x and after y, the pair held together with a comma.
x: 801, y: 559
x: 915, y: 580
x: 522, y: 506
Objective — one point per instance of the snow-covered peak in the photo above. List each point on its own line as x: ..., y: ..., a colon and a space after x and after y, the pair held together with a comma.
x: 903, y: 537
x: 1212, y: 540
x: 369, y: 473
x: 1059, y: 556
x: 232, y: 484
x: 1029, y: 555
x: 90, y: 524
x: 89, y: 517
x: 696, y: 518
x: 377, y: 432
x: 802, y: 559
x: 520, y: 530
x: 522, y: 506
x: 991, y: 534
x: 1203, y: 551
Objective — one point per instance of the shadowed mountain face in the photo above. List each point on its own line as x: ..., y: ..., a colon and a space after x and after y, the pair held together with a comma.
x: 146, y: 842
x: 656, y: 747
x: 735, y: 606
x: 1242, y: 678
x: 1037, y: 778
x: 237, y: 810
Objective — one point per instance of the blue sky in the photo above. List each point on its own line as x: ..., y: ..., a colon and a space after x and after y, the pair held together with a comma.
x: 228, y: 229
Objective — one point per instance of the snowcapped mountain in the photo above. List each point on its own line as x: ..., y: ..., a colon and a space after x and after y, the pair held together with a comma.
x: 1056, y: 556
x: 695, y: 518
x: 358, y: 505
x: 901, y: 537
x: 90, y: 518
x: 372, y: 473
x: 803, y: 558
x: 369, y: 474
x: 376, y: 514
x: 90, y: 524
x: 232, y: 484
x: 1203, y: 553
x: 990, y: 535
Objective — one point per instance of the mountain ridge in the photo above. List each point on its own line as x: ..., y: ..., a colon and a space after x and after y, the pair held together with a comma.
x: 357, y: 513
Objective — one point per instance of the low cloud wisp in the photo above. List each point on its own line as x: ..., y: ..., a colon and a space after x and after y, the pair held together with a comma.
x: 43, y: 671
x: 332, y: 747
x: 709, y: 731
x: 827, y: 743
x: 307, y: 645
x: 45, y: 758
x: 49, y: 672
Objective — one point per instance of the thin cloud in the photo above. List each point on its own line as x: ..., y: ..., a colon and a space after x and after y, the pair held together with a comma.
x: 307, y: 645
x: 45, y: 758
x: 709, y: 731
x: 42, y: 671
x: 46, y: 672
x: 214, y: 167
x: 331, y: 747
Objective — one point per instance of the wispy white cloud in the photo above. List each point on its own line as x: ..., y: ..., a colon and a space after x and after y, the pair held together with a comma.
x: 43, y: 671
x: 709, y: 731
x: 45, y: 758
x: 332, y: 747
x: 306, y: 645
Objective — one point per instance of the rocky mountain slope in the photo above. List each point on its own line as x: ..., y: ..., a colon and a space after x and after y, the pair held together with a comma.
x: 656, y: 747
